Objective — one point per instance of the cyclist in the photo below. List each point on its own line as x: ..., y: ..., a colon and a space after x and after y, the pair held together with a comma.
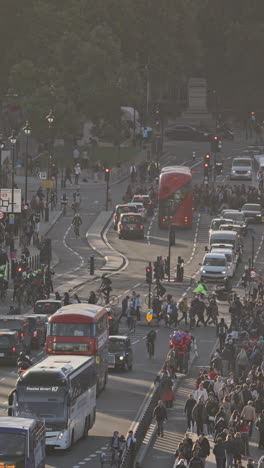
x: 76, y: 222
x: 105, y: 287
x: 150, y: 340
x: 77, y: 200
x: 64, y: 203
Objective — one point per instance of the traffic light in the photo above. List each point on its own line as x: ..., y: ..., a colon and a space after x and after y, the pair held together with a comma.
x: 107, y: 174
x: 172, y: 235
x: 157, y: 271
x: 156, y: 110
x: 53, y: 170
x: 149, y: 274
x: 206, y: 169
x: 216, y: 144
x: 207, y: 158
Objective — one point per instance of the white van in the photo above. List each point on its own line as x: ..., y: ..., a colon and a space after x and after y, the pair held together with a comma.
x: 241, y: 168
x: 230, y: 259
x: 214, y: 268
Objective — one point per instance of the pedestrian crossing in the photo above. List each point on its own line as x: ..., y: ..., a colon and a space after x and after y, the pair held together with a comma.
x: 203, y: 233
x: 139, y: 334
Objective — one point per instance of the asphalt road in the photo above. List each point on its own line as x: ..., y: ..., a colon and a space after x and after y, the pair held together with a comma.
x: 118, y: 405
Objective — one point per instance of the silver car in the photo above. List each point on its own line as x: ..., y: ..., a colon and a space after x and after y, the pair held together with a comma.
x: 241, y: 169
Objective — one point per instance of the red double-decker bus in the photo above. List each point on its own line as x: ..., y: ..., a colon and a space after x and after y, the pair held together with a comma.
x: 175, y: 197
x: 81, y: 329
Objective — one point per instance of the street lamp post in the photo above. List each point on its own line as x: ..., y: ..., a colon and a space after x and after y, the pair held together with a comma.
x: 13, y: 140
x: 50, y: 119
x: 27, y: 131
x: 2, y: 146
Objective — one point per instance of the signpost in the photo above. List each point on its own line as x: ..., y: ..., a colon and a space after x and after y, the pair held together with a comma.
x: 6, y: 200
x: 42, y: 175
x: 149, y: 315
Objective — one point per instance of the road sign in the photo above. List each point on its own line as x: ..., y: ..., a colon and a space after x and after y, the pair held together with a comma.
x: 49, y: 184
x: 11, y: 218
x: 42, y: 175
x: 149, y: 315
x: 2, y: 215
x: 6, y: 201
x: 253, y: 274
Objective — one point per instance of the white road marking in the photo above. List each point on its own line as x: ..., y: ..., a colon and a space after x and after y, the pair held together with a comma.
x: 73, y: 251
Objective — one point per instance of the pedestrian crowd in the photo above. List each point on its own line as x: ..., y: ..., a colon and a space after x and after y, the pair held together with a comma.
x: 219, y: 197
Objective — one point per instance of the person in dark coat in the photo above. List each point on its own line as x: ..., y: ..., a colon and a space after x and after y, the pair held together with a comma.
x: 199, y: 415
x: 189, y: 405
x: 160, y: 414
x: 66, y: 300
x: 219, y: 453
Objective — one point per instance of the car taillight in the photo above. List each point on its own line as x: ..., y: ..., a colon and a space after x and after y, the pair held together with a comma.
x: 149, y: 203
x: 121, y: 226
x: 14, y: 349
x: 141, y: 226
x: 164, y: 219
x: 35, y: 333
x: 186, y: 219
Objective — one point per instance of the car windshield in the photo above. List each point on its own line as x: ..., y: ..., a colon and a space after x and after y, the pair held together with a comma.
x: 252, y: 207
x: 72, y: 329
x: 126, y: 209
x: 237, y: 216
x: 46, y: 307
x: 142, y: 199
x: 44, y: 409
x: 242, y: 162
x: 131, y: 219
x: 116, y: 345
x: 8, y: 324
x: 4, y: 340
x: 12, y: 444
x: 214, y: 262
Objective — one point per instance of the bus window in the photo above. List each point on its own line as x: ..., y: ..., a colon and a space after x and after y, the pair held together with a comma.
x: 71, y: 329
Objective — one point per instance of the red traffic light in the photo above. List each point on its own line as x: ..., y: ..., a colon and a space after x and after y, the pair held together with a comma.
x: 53, y: 165
x: 20, y: 269
x: 207, y: 156
x: 206, y: 165
x: 148, y: 269
x: 215, y: 137
x: 107, y: 170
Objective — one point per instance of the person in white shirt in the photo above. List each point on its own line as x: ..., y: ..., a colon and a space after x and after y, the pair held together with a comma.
x: 201, y: 392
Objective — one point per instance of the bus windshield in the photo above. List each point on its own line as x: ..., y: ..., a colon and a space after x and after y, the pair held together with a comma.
x: 72, y: 329
x: 12, y: 444
x: 47, y: 410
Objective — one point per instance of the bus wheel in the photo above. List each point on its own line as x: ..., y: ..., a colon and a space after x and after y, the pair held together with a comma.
x: 86, y: 428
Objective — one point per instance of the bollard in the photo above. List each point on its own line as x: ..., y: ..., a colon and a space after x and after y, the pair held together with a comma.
x: 91, y: 265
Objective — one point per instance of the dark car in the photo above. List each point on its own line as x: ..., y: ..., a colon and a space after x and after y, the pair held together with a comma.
x: 20, y: 324
x: 187, y: 133
x: 47, y: 306
x: 38, y: 329
x: 130, y: 225
x: 119, y: 209
x: 252, y: 212
x: 120, y: 353
x: 145, y: 199
x: 10, y: 346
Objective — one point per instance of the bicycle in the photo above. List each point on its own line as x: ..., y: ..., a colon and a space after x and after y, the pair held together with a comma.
x: 113, y: 300
x: 150, y: 348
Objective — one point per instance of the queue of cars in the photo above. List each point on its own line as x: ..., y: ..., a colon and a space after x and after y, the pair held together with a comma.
x: 225, y: 242
x: 129, y: 218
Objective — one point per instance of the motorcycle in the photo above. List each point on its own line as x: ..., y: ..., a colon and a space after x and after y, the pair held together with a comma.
x: 23, y: 365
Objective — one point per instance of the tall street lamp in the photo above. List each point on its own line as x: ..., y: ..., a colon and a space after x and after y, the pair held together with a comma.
x: 50, y: 119
x: 27, y: 131
x: 13, y: 140
x: 2, y: 146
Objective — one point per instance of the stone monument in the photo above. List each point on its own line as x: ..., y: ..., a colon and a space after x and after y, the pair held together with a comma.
x: 197, y: 111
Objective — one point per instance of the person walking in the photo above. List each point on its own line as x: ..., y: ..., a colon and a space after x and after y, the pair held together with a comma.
x: 249, y: 415
x: 188, y: 408
x: 131, y: 445
x: 219, y: 453
x: 229, y: 450
x: 66, y: 299
x: 160, y: 414
x: 196, y: 461
x: 260, y: 427
x: 138, y: 306
x: 184, y: 308
x: 199, y: 415
x: 77, y: 173
x: 68, y: 172
x: 221, y: 332
x: 124, y: 306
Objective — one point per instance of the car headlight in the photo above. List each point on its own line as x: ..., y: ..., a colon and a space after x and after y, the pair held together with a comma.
x: 223, y: 272
x: 60, y: 436
x: 203, y: 271
x: 233, y: 172
x: 249, y: 172
x: 121, y: 358
x: 258, y: 215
